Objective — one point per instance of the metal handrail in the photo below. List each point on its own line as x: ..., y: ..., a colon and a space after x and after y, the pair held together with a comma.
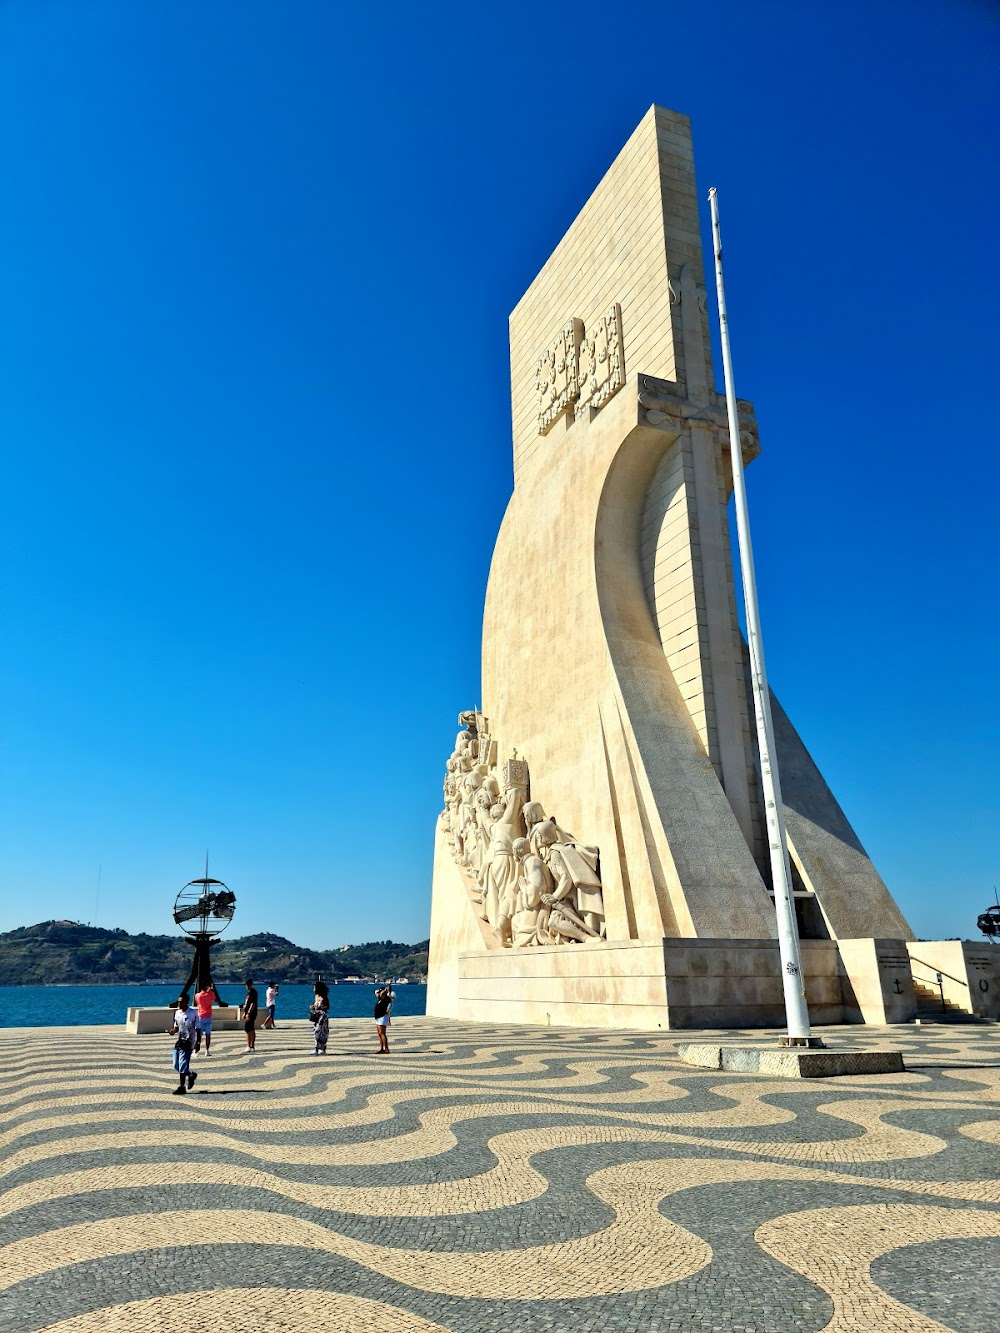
x: 937, y: 972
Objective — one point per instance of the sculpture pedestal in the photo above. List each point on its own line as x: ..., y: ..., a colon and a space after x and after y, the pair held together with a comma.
x: 144, y: 1021
x: 645, y: 984
x: 791, y: 1063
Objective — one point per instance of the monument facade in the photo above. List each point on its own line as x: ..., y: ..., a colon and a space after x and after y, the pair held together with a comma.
x: 601, y: 857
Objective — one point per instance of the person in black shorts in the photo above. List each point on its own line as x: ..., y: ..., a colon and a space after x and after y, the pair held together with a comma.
x: 248, y: 1010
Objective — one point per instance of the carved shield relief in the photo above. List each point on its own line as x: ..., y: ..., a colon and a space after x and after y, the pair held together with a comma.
x: 556, y: 376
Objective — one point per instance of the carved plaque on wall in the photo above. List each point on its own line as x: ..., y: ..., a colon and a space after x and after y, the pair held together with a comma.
x: 580, y: 368
x: 602, y: 362
x: 556, y: 376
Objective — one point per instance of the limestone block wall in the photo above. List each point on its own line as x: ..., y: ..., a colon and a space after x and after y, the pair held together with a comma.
x: 877, y: 981
x: 614, y: 985
x: 455, y: 929
x: 574, y: 676
x: 970, y: 973
x: 639, y: 225
x: 737, y: 983
x: 645, y: 984
x: 671, y: 571
x: 687, y: 572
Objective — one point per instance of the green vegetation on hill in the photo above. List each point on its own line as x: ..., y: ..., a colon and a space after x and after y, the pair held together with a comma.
x: 61, y: 952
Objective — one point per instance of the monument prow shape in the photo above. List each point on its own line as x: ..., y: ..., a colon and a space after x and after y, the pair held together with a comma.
x: 602, y: 859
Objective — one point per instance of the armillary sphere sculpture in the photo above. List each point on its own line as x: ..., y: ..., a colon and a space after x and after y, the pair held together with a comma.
x: 989, y: 923
x: 203, y: 909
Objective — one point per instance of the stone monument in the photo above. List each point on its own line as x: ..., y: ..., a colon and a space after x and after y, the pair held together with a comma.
x: 601, y: 857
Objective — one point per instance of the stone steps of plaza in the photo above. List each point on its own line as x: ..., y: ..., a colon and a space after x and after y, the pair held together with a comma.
x: 930, y: 1009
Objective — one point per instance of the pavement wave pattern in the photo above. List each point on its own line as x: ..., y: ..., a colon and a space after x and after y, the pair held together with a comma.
x: 487, y: 1179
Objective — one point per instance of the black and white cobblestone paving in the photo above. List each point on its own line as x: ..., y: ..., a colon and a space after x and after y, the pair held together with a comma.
x: 494, y: 1178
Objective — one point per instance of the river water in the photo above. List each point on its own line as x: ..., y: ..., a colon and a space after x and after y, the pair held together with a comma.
x: 75, y: 1006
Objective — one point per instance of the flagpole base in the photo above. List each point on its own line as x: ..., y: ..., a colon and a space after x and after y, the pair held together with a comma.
x: 789, y: 1063
x: 786, y: 1040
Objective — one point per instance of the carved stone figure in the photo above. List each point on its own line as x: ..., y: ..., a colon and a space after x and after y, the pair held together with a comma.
x: 529, y: 879
x: 467, y: 817
x: 564, y: 923
x: 534, y: 885
x: 574, y: 867
x: 478, y: 831
x: 500, y: 868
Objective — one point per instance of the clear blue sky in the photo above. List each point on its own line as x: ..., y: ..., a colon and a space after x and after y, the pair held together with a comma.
x: 256, y: 264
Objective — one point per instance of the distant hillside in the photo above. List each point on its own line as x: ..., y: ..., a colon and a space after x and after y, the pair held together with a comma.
x: 63, y: 951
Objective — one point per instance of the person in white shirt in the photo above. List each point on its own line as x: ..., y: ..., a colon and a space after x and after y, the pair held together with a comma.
x: 185, y: 1031
x: 270, y: 1000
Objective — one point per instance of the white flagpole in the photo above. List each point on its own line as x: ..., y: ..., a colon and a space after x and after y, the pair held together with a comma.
x: 793, y: 980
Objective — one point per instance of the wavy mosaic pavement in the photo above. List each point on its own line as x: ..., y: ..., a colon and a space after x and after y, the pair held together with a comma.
x: 485, y: 1179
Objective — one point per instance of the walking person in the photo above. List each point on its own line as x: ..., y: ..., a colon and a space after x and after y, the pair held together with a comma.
x: 270, y: 1001
x: 203, y: 1002
x: 184, y: 1030
x: 383, y: 1003
x: 248, y: 1012
x: 319, y: 1014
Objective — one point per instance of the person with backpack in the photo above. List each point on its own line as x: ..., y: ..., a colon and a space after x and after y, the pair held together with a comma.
x: 184, y: 1030
x: 383, y: 1003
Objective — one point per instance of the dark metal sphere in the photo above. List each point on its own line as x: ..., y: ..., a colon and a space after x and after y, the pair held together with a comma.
x: 204, y: 907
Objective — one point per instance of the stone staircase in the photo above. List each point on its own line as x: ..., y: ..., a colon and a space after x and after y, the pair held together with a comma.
x: 929, y: 1008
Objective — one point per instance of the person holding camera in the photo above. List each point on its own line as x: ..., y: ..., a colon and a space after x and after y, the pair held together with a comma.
x: 383, y: 1003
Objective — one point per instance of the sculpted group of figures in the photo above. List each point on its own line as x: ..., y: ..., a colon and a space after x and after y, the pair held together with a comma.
x: 533, y: 882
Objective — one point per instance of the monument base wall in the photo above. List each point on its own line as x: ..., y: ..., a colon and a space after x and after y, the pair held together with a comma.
x: 877, y: 982
x: 969, y: 971
x: 664, y: 983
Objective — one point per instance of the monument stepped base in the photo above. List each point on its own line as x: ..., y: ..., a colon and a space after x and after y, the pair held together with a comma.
x: 676, y: 983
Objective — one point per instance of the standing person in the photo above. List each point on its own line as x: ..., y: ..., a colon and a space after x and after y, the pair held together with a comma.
x: 248, y: 1012
x: 383, y: 1003
x: 184, y: 1030
x: 320, y: 1016
x: 203, y: 1004
x: 270, y: 1000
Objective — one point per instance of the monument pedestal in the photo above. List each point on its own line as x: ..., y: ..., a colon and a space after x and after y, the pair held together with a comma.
x: 675, y: 984
x: 969, y: 972
x: 877, y: 982
x: 655, y: 984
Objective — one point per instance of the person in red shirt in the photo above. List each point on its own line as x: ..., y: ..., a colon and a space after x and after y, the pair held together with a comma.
x: 203, y: 1003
